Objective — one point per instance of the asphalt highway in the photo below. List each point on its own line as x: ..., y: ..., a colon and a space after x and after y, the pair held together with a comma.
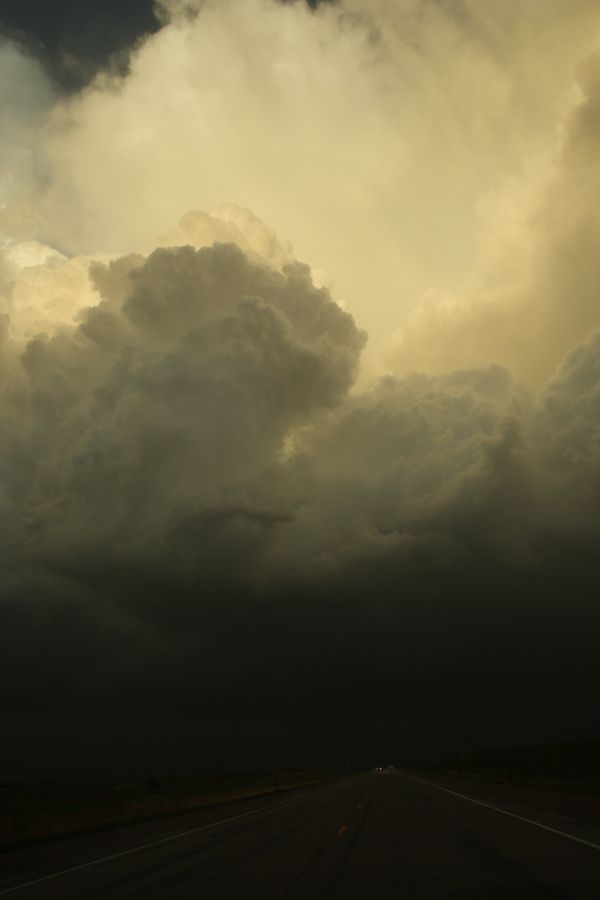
x: 374, y: 837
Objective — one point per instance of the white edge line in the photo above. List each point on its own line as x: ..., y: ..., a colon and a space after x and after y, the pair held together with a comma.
x: 505, y: 812
x: 165, y: 840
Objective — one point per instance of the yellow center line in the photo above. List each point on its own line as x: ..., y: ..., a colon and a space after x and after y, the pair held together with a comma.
x: 342, y: 830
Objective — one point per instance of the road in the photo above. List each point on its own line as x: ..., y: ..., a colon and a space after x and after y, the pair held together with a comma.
x: 370, y: 837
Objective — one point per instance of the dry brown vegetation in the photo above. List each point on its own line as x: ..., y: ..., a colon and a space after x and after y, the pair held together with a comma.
x: 30, y: 813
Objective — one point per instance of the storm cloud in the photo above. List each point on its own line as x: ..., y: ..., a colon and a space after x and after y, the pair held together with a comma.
x: 223, y: 541
x: 196, y: 510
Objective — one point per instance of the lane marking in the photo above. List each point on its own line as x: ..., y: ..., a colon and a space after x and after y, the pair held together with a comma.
x: 310, y: 862
x: 164, y: 840
x: 505, y: 812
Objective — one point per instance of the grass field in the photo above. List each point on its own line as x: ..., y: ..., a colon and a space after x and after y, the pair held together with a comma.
x: 30, y: 813
x: 569, y: 765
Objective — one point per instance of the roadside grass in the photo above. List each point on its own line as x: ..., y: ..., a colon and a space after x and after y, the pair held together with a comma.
x: 572, y: 766
x: 41, y: 812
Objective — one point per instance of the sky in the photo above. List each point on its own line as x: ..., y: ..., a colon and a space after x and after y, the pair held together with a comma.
x: 299, y: 397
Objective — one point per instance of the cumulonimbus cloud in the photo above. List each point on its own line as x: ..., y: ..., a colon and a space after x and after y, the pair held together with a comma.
x: 198, y: 499
x: 388, y: 142
x: 186, y: 476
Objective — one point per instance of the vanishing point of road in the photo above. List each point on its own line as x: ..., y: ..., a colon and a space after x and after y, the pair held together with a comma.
x: 391, y: 837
